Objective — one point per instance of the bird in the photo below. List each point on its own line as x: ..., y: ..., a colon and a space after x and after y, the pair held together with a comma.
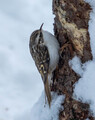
x: 44, y: 49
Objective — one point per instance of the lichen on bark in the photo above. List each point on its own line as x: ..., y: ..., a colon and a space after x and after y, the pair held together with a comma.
x: 71, y: 28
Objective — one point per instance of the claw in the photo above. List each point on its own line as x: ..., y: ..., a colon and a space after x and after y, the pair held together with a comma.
x: 64, y: 46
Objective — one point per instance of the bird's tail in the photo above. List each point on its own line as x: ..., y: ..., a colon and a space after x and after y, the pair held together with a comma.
x: 47, y: 92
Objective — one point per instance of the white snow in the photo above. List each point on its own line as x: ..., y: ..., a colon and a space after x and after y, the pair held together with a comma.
x: 91, y: 26
x: 87, y: 119
x: 85, y: 87
x: 20, y: 82
x: 41, y: 111
x: 76, y: 65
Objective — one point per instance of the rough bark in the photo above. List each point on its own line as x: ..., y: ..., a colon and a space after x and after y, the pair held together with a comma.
x: 71, y: 30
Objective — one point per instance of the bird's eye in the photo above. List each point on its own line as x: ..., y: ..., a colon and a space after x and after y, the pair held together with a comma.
x: 40, y: 34
x: 33, y: 48
x: 40, y: 41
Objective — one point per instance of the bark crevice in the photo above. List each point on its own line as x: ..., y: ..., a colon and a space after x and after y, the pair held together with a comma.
x: 71, y: 27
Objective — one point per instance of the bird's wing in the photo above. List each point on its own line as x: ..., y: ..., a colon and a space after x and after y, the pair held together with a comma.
x: 42, y: 60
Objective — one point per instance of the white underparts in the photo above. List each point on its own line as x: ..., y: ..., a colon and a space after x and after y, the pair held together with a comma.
x: 53, y: 47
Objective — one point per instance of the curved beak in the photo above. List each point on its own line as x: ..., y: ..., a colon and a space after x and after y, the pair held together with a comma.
x: 41, y: 26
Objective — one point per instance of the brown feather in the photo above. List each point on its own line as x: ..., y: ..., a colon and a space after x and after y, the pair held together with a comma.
x: 41, y: 57
x: 47, y: 92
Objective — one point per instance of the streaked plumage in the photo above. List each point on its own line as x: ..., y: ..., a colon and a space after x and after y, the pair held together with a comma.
x: 44, y: 49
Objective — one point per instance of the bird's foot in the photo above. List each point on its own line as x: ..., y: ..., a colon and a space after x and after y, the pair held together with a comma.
x: 65, y: 46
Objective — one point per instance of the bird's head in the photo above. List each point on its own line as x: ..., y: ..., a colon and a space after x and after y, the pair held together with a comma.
x: 36, y: 37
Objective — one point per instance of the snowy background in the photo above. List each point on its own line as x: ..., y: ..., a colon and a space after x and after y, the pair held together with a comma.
x: 20, y: 82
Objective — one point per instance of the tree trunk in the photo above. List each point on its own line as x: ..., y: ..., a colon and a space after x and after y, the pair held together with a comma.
x: 71, y: 30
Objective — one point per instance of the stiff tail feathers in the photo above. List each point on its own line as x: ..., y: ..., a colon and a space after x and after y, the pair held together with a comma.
x: 47, y: 92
